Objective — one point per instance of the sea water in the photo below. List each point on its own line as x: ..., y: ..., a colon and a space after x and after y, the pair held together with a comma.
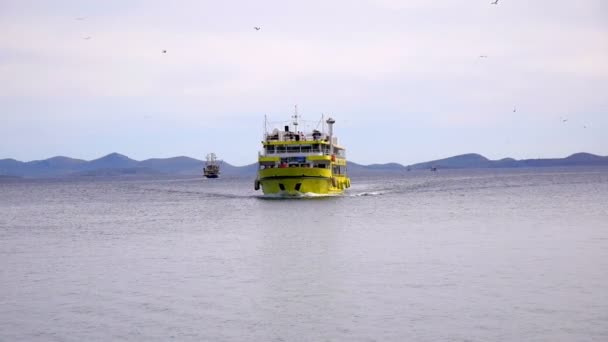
x: 470, y: 255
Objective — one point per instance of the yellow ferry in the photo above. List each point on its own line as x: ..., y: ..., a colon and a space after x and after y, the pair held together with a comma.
x: 297, y: 163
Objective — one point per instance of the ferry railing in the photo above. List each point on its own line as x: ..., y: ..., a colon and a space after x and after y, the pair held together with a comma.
x: 291, y: 136
x: 298, y: 153
x: 308, y: 152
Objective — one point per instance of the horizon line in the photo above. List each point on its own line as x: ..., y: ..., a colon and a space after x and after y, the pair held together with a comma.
x: 222, y: 160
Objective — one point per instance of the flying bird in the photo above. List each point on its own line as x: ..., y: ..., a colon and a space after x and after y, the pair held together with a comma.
x: 87, y: 37
x: 514, y: 109
x: 565, y: 120
x: 80, y: 18
x: 164, y: 51
x: 483, y: 56
x: 257, y: 28
x: 494, y: 3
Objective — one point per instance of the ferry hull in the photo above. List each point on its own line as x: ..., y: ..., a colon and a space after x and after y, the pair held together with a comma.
x: 297, y: 182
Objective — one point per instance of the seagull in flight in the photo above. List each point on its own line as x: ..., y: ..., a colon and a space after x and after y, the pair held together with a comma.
x: 494, y: 3
x: 483, y: 56
x: 164, y: 51
x: 257, y: 28
x: 514, y: 109
x: 87, y: 38
x: 80, y: 18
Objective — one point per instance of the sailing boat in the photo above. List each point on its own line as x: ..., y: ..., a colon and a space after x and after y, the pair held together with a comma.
x: 212, y: 166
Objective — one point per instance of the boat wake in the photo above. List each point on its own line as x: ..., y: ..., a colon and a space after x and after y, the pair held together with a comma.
x: 369, y: 193
x: 307, y: 195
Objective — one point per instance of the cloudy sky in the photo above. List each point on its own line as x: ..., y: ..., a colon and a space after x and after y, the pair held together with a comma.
x: 403, y: 79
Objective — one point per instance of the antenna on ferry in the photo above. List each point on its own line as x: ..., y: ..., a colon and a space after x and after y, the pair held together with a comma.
x: 265, y: 125
x: 323, y: 123
x: 330, y: 123
x: 295, y: 119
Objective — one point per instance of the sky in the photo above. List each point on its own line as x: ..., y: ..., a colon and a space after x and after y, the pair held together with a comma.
x: 404, y: 80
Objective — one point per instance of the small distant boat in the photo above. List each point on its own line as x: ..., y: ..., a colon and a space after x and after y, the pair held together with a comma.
x: 433, y: 168
x: 212, y: 166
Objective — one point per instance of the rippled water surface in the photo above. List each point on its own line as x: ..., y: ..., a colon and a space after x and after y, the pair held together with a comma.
x: 517, y: 255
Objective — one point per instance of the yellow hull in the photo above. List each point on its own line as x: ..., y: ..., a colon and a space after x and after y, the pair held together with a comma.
x: 297, y: 181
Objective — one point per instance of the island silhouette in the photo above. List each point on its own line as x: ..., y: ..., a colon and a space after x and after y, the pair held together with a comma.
x: 115, y: 164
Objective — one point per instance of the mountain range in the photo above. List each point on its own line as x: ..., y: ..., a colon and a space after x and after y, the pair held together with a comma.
x: 117, y: 164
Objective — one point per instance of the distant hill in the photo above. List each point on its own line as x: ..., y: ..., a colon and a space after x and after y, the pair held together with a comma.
x: 471, y: 160
x: 355, y: 169
x: 111, y: 161
x: 39, y: 168
x: 115, y: 164
x: 477, y: 161
x: 175, y: 165
x: 238, y: 171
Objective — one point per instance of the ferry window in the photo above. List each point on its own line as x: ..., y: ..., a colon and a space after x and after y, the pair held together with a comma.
x: 293, y: 149
x: 266, y: 166
x: 339, y: 170
x: 306, y: 148
x: 281, y: 149
x: 270, y: 149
